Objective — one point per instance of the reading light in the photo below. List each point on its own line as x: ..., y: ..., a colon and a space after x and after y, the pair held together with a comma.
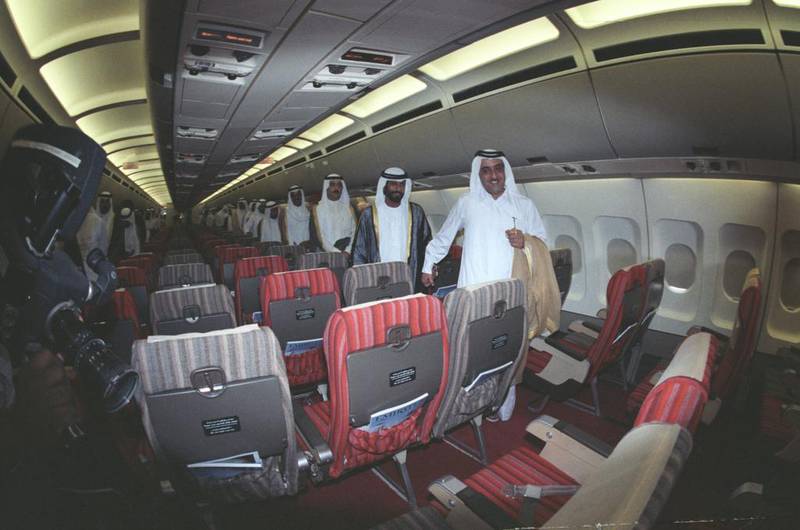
x: 603, y: 12
x: 387, y: 95
x: 330, y: 125
x: 492, y: 48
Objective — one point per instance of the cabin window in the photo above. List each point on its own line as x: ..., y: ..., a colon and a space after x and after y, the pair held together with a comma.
x: 737, y: 265
x: 680, y: 266
x: 790, y: 289
x: 620, y: 254
x: 565, y: 241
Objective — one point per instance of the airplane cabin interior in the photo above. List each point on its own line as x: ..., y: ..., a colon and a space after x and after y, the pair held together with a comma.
x: 637, y: 367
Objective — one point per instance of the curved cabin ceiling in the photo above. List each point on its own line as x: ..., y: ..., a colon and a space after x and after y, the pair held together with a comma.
x: 91, y: 57
x: 610, y: 80
x: 230, y: 96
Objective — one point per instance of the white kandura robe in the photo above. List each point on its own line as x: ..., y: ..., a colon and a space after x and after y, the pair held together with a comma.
x: 393, y: 224
x: 270, y: 228
x: 297, y: 220
x: 335, y: 220
x: 487, y: 254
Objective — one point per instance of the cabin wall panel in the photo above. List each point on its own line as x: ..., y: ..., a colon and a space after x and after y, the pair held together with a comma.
x: 734, y: 104
x: 593, y: 213
x: 558, y: 119
x: 13, y: 118
x: 781, y: 325
x: 434, y: 205
x: 791, y: 70
x: 714, y: 219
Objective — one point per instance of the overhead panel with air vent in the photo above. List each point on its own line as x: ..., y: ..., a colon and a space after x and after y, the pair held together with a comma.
x: 660, y: 28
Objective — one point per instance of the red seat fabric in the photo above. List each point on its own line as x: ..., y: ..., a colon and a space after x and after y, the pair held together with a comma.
x: 734, y: 354
x: 360, y: 328
x: 677, y: 400
x: 307, y: 367
x: 145, y: 261
x: 606, y: 348
x: 231, y: 255
x: 250, y: 268
x: 521, y: 466
x: 132, y: 276
x: 741, y: 345
x: 537, y: 360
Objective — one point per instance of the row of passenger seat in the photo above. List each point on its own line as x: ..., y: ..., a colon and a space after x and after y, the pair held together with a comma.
x: 575, y: 480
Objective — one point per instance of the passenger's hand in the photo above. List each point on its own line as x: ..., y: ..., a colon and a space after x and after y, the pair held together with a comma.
x: 516, y: 238
x: 427, y: 279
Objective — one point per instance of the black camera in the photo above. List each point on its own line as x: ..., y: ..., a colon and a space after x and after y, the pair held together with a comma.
x: 49, y: 177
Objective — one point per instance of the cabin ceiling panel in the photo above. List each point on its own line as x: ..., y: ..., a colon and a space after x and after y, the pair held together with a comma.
x: 134, y: 154
x: 300, y: 115
x: 557, y: 119
x: 356, y: 9
x: 423, y: 25
x: 731, y: 104
x: 428, y: 145
x: 252, y: 12
x: 791, y: 69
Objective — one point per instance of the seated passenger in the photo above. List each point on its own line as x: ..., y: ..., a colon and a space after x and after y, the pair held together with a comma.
x: 394, y: 229
x: 495, y: 218
x: 334, y: 220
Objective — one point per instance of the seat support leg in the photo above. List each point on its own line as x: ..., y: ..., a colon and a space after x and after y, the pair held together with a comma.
x: 406, y: 491
x: 537, y: 406
x: 478, y: 454
x: 594, y: 407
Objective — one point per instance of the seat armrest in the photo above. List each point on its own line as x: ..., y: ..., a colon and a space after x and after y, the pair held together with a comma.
x: 468, y: 508
x: 556, y: 340
x: 603, y: 313
x: 575, y: 452
x: 321, y: 453
x: 594, y: 326
x: 703, y: 329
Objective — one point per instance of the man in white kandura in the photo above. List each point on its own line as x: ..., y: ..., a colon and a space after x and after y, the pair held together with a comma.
x: 297, y: 216
x: 334, y: 219
x: 270, y: 228
x: 495, y: 217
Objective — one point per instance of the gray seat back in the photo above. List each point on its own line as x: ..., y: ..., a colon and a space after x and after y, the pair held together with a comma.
x: 377, y: 281
x: 335, y: 261
x: 202, y: 398
x: 183, y: 275
x: 179, y: 259
x: 562, y: 264
x: 487, y: 327
x: 191, y: 309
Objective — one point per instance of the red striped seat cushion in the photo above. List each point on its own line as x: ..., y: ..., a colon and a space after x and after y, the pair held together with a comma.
x: 677, y: 400
x: 132, y: 276
x: 537, y: 360
x: 519, y: 467
x: 125, y: 309
x: 282, y: 286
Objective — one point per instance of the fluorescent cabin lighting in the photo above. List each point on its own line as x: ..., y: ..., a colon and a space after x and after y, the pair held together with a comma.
x: 492, y: 48
x: 281, y: 153
x: 116, y: 71
x: 387, y: 95
x: 45, y: 26
x: 788, y: 3
x: 327, y: 127
x: 299, y: 143
x: 603, y: 12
